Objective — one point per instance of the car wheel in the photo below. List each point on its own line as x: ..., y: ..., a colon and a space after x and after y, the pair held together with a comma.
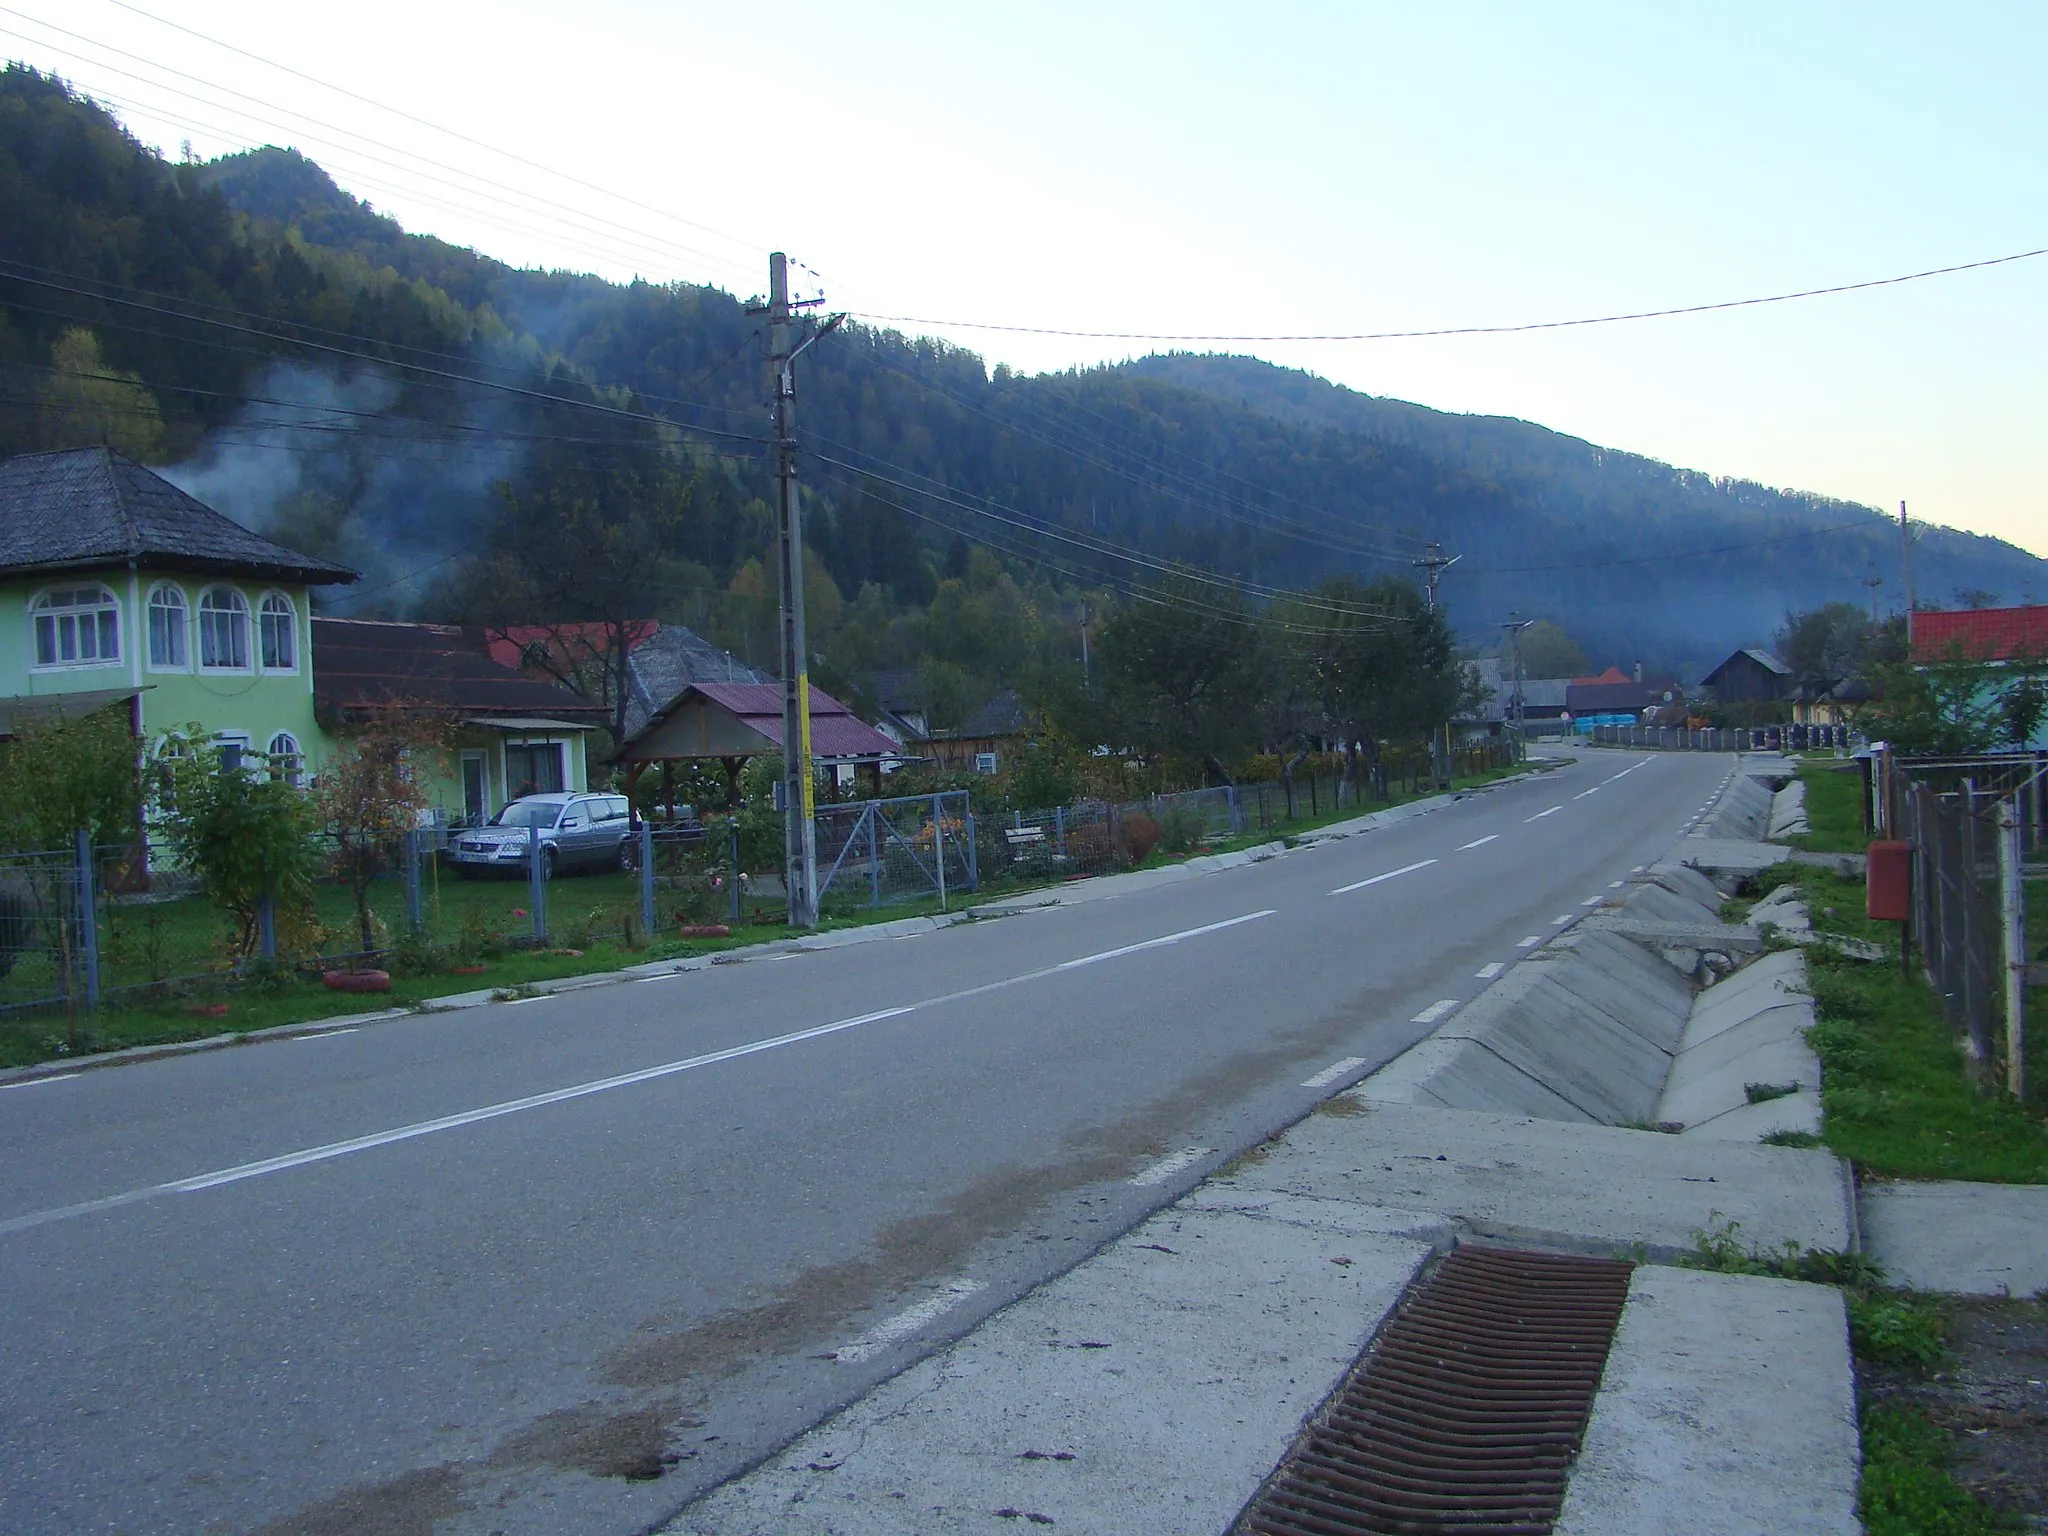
x: 548, y: 862
x: 628, y: 856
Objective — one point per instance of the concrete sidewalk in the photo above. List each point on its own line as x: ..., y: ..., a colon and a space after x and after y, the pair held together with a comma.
x: 1970, y: 1239
x: 1154, y: 1387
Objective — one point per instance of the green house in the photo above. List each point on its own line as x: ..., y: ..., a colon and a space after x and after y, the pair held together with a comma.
x: 117, y: 586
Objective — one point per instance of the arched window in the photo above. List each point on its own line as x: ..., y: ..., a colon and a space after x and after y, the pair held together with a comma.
x: 277, y: 633
x: 287, y: 762
x: 167, y: 623
x: 77, y: 627
x: 223, y: 630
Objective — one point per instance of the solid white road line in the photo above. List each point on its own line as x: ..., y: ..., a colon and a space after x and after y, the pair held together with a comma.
x: 322, y: 1034
x: 1479, y: 842
x: 1359, y: 885
x: 1488, y: 971
x: 1335, y: 1070
x: 1541, y: 814
x: 910, y: 1320
x: 37, y: 1082
x: 336, y: 1149
x: 1169, y: 1165
x: 1530, y: 942
x: 1435, y: 1011
x: 1171, y: 938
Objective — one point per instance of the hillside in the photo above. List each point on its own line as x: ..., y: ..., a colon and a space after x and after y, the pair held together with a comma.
x: 423, y: 370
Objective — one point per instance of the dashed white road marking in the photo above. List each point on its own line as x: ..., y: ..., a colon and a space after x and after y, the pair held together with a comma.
x: 1592, y: 901
x: 910, y: 1320
x: 1530, y: 942
x: 1614, y: 885
x: 1488, y: 971
x: 1335, y: 1070
x: 38, y: 1082
x: 1541, y: 814
x: 1435, y: 1011
x: 1405, y: 869
x: 1637, y: 869
x: 1479, y: 842
x: 1169, y: 938
x: 1562, y: 917
x: 1585, y: 792
x: 1169, y: 1165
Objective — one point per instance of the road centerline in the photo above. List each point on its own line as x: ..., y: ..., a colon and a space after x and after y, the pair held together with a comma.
x: 1405, y: 869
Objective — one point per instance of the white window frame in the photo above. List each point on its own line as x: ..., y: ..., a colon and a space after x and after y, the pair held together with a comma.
x: 285, y: 622
x: 42, y: 610
x: 240, y: 610
x: 288, y: 763
x: 183, y: 631
x: 505, y: 764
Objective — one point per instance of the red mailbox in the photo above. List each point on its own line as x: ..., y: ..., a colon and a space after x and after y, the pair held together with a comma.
x: 1888, y: 887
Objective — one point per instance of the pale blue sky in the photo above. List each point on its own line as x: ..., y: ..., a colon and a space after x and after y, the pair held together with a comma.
x: 1259, y: 169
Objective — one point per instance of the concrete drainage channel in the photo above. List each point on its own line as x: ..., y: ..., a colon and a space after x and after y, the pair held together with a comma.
x: 1358, y: 1275
x: 1468, y: 1410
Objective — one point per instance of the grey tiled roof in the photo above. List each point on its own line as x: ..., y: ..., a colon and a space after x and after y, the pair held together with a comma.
x: 668, y: 661
x: 90, y: 506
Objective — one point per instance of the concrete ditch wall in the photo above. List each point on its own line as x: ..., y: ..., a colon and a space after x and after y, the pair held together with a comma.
x: 1604, y: 1025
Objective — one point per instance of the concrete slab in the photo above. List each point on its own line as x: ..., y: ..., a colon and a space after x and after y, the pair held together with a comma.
x: 1727, y: 1409
x: 1151, y: 1389
x: 1457, y: 1071
x: 1753, y: 1122
x: 1684, y: 880
x: 1791, y: 1015
x: 1699, y: 1091
x: 1733, y: 859
x: 1975, y: 1239
x: 1584, y: 1187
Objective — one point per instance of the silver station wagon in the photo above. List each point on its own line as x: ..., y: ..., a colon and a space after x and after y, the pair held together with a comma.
x: 589, y: 831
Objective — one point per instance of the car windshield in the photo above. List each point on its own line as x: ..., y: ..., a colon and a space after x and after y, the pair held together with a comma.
x: 525, y: 813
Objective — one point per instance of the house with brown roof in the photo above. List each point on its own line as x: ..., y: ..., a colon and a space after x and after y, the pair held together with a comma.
x: 514, y: 733
x: 728, y: 723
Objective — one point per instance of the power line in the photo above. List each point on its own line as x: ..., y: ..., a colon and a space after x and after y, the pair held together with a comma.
x: 1461, y: 330
x: 749, y: 246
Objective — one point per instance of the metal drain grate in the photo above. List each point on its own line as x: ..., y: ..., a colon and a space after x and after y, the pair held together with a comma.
x: 1465, y: 1415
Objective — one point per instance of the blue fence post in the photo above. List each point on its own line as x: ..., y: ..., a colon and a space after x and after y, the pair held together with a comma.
x: 1059, y: 821
x: 874, y: 813
x: 973, y: 855
x: 413, y: 916
x: 646, y: 851
x: 537, y: 883
x: 88, y: 921
x: 939, y: 846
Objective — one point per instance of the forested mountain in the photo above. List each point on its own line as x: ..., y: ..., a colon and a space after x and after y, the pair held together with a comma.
x: 307, y: 364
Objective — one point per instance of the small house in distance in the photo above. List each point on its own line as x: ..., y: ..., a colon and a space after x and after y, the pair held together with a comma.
x: 1752, y: 677
x: 987, y: 739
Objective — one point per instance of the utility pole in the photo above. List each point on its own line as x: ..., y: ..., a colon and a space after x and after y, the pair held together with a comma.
x: 1514, y: 626
x: 1873, y: 581
x: 1432, y: 566
x: 1906, y: 572
x: 799, y: 794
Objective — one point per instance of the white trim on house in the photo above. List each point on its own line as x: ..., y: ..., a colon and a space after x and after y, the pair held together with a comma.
x: 57, y: 614
x: 147, y: 650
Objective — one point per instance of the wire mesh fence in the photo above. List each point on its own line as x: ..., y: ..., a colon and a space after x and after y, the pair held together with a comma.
x: 875, y: 852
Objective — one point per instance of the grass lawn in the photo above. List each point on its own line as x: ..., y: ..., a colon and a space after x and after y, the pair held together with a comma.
x: 1834, y: 806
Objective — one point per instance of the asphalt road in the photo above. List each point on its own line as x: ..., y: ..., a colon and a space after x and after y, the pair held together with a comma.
x: 561, y: 1265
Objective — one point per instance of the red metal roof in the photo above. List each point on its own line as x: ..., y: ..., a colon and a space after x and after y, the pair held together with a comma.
x: 1981, y: 634
x: 509, y: 645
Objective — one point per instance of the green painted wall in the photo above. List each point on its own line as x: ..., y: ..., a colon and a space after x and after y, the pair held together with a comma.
x: 257, y: 704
